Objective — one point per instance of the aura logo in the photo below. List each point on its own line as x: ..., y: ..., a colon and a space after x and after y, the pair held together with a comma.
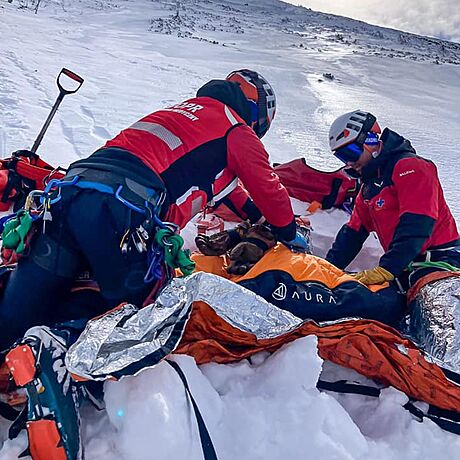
x: 280, y: 292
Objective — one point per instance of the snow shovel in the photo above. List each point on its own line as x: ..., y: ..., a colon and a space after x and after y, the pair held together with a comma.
x: 62, y: 92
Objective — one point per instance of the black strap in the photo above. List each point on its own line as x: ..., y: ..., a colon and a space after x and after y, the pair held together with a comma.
x: 209, y: 452
x: 445, y: 419
x: 19, y: 423
x: 448, y: 420
x: 330, y: 200
x: 8, y: 412
x: 344, y: 386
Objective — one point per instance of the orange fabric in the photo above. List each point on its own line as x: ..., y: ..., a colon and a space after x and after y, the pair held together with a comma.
x: 370, y: 348
x: 300, y: 266
x: 45, y: 440
x: 21, y: 363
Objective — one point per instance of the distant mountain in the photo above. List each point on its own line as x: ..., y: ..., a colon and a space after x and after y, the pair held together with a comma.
x: 207, y: 20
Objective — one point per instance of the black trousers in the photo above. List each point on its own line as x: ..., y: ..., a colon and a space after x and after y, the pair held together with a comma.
x: 85, y: 233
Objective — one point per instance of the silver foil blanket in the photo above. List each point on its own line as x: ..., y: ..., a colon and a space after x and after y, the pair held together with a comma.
x: 124, y: 341
x: 434, y: 324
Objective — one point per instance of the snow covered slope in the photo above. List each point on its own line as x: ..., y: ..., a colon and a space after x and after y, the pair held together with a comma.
x: 139, y: 55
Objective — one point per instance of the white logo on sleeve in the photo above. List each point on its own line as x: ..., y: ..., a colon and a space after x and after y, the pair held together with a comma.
x: 406, y: 173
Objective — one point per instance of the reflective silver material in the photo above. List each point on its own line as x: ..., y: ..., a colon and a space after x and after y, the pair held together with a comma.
x: 170, y: 139
x: 434, y: 325
x: 120, y: 338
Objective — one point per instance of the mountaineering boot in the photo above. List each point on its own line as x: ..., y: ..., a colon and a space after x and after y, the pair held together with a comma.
x: 53, y: 425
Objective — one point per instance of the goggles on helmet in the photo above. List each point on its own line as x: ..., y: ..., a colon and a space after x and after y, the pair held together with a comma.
x: 349, y: 153
x: 254, y: 111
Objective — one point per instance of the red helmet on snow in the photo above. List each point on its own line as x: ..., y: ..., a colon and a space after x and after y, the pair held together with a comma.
x: 260, y: 96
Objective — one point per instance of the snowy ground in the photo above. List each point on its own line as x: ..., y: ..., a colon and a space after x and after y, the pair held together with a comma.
x: 135, y: 58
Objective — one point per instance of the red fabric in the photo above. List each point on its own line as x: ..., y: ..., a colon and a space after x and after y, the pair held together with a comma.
x: 308, y: 184
x: 249, y: 160
x: 238, y: 197
x: 415, y: 189
x: 196, y: 123
x: 369, y: 347
x: 194, y: 126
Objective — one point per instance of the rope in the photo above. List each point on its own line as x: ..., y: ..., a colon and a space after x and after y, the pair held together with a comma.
x: 15, y: 232
x: 442, y: 265
x: 175, y: 256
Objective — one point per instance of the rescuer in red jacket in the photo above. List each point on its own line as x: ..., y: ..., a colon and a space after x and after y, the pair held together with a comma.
x: 165, y: 167
x: 401, y: 200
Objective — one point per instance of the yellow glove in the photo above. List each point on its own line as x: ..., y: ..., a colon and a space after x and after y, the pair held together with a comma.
x: 377, y: 275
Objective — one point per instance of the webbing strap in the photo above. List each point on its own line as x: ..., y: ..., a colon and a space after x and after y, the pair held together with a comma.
x: 342, y: 386
x: 448, y: 420
x: 209, y: 452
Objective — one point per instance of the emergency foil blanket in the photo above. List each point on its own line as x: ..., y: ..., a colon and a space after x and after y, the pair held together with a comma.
x: 215, y: 320
x: 127, y: 340
x: 434, y: 323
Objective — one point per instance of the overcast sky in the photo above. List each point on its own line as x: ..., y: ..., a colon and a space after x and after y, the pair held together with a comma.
x: 438, y: 18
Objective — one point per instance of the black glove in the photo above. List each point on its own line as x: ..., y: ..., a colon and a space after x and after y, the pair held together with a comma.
x: 246, y: 254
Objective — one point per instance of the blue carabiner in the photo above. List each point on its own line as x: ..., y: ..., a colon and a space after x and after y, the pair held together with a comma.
x: 57, y: 183
x: 127, y: 203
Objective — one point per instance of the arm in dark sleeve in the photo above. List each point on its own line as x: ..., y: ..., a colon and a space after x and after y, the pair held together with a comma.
x: 351, y: 236
x: 239, y: 202
x: 416, y: 184
x: 409, y: 237
x: 346, y: 246
x: 248, y: 159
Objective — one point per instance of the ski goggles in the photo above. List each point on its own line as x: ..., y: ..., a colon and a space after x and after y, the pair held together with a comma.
x: 349, y: 153
x: 352, y: 152
x: 254, y: 108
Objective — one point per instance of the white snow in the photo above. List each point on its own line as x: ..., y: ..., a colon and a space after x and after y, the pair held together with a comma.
x: 136, y: 57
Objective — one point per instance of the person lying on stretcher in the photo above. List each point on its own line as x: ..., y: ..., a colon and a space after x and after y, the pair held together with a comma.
x: 306, y: 285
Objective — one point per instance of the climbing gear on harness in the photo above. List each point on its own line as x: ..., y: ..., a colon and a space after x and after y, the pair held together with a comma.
x: 15, y: 232
x: 174, y: 255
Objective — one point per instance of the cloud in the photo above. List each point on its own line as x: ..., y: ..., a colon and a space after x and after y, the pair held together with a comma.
x: 437, y: 18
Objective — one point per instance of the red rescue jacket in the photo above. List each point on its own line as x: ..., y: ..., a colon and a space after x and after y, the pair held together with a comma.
x: 199, y: 149
x: 403, y: 202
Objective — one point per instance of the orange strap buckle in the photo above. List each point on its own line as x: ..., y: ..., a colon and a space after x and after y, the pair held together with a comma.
x: 21, y: 363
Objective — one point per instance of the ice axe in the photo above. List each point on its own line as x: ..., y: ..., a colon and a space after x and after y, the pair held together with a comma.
x: 62, y: 92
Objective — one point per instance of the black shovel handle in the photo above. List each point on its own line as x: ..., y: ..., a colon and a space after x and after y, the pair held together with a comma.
x: 71, y: 75
x: 62, y: 92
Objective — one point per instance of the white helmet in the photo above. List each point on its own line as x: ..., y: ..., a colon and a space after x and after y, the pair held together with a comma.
x: 352, y: 127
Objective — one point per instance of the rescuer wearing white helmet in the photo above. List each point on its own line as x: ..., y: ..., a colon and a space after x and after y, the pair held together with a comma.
x: 401, y: 199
